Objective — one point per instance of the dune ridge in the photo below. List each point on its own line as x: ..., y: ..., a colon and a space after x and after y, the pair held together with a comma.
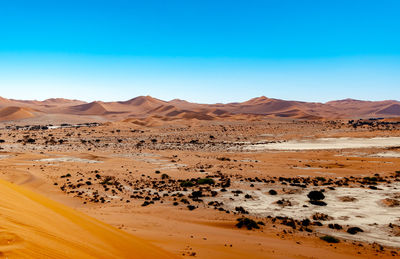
x: 146, y: 106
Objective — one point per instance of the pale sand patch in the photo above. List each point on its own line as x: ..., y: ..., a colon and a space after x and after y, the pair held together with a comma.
x: 69, y: 159
x: 366, y: 212
x: 387, y: 154
x: 329, y: 143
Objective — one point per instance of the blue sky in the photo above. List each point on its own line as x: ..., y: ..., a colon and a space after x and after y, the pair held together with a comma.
x: 203, y: 51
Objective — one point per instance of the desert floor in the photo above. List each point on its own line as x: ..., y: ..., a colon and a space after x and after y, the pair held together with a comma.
x: 181, y: 186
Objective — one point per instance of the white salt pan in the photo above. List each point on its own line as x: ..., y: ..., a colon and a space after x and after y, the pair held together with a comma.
x: 329, y: 143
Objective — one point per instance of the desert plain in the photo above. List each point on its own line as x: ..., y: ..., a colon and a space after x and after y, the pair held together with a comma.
x: 147, y: 178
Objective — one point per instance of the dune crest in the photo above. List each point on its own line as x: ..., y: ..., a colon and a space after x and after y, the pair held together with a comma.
x: 94, y: 108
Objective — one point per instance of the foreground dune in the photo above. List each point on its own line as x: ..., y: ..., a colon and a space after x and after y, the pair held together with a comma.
x: 34, y: 226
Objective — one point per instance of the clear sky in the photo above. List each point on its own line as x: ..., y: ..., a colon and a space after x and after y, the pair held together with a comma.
x: 204, y: 51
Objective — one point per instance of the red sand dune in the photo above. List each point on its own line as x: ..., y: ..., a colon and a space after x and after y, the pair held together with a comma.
x: 144, y: 103
x: 61, y: 101
x: 393, y: 109
x: 147, y: 106
x: 16, y: 113
x: 94, y: 108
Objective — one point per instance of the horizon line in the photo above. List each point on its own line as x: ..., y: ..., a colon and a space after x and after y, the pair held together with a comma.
x: 256, y: 97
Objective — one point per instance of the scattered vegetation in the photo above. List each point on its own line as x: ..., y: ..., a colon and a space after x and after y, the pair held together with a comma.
x: 206, y: 181
x: 187, y: 184
x: 248, y: 223
x: 201, y: 181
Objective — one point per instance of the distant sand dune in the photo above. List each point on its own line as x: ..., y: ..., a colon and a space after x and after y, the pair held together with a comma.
x: 146, y: 106
x: 393, y: 109
x: 15, y: 113
x: 94, y: 108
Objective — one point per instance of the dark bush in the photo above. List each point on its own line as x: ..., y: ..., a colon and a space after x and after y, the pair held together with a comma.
x: 107, y: 180
x: 248, y: 196
x: 248, y: 223
x: 145, y: 203
x: 318, y: 203
x: 272, y: 192
x: 31, y: 140
x: 289, y: 223
x: 371, y: 179
x: 305, y: 222
x: 223, y: 158
x: 197, y: 194
x: 185, y: 201
x: 241, y: 210
x: 316, y: 195
x: 187, y: 184
x: 206, y: 181
x: 335, y: 226
x: 354, y: 230
x: 330, y: 239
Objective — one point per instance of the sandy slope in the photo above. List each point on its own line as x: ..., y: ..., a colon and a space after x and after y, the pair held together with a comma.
x: 34, y: 226
x: 15, y: 113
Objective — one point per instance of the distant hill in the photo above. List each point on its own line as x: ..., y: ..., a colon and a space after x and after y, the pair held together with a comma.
x: 142, y: 107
